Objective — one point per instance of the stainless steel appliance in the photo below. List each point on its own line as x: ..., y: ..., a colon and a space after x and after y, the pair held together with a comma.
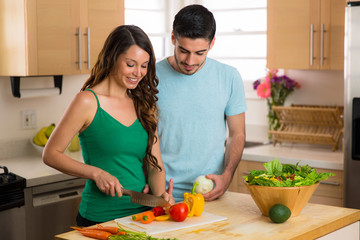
x: 12, y: 209
x: 52, y: 208
x: 352, y: 106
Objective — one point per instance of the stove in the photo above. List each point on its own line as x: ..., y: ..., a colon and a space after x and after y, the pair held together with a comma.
x: 11, y: 190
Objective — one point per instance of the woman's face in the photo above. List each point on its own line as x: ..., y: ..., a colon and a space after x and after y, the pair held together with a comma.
x: 131, y: 67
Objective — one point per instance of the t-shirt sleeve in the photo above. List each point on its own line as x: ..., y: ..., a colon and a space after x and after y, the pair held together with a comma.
x: 237, y: 102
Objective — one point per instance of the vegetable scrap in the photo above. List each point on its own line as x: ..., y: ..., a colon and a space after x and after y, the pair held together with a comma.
x: 285, y: 175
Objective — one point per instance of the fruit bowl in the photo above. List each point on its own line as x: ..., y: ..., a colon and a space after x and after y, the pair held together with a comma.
x: 295, y: 198
x: 37, y: 147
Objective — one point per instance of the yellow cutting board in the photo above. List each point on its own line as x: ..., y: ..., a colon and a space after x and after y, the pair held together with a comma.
x: 165, y: 226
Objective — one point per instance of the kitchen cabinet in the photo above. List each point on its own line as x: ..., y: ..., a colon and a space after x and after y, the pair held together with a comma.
x: 305, y: 34
x: 50, y: 37
x: 329, y: 192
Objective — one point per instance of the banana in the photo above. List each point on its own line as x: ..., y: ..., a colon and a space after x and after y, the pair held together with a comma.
x: 40, y: 138
x: 49, y: 130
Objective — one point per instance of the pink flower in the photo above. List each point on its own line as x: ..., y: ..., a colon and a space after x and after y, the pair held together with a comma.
x: 264, y: 90
x: 267, y: 79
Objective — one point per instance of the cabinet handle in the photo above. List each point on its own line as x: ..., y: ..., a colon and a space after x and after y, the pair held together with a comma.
x: 311, y: 44
x: 88, y: 47
x: 322, y: 45
x: 79, y: 45
x: 330, y: 183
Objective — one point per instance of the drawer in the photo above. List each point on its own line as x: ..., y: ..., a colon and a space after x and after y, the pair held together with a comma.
x: 332, y: 187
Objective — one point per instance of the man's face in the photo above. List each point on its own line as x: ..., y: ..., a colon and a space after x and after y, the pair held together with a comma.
x: 190, y: 54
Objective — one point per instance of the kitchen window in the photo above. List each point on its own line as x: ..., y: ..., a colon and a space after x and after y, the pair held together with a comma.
x: 240, y: 35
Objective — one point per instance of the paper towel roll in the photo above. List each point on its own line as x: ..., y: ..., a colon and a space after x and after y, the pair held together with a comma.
x: 39, y: 92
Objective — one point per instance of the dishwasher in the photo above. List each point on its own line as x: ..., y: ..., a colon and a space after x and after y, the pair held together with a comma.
x: 52, y: 208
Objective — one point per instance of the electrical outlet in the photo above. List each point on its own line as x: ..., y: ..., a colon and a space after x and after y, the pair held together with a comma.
x: 28, y: 118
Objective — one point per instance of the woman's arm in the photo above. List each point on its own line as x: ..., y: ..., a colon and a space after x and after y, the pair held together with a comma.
x: 76, y: 118
x: 156, y: 178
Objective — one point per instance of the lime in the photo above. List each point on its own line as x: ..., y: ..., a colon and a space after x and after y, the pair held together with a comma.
x: 279, y: 213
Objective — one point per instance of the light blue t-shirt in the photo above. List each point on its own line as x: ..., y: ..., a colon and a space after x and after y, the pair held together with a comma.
x: 192, y: 128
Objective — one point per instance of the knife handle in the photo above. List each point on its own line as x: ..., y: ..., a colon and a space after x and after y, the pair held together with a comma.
x: 126, y: 192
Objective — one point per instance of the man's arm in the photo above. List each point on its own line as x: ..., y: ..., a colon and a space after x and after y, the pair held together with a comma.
x: 233, y: 152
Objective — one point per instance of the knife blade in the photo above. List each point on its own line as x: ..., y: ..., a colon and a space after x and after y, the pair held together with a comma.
x: 145, y: 199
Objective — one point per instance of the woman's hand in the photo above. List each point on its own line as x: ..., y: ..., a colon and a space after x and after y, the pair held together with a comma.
x: 108, y: 184
x: 167, y: 195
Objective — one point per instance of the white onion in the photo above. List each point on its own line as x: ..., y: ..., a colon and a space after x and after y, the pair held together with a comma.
x: 205, y: 185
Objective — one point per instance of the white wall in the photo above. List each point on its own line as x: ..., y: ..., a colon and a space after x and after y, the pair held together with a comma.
x: 48, y: 109
x: 317, y: 88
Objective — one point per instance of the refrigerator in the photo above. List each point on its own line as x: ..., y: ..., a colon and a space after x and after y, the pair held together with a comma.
x: 352, y: 106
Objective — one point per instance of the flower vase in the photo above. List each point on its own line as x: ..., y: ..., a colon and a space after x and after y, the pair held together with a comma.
x: 273, y: 120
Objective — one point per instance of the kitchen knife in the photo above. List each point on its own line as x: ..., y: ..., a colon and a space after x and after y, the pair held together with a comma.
x: 145, y: 199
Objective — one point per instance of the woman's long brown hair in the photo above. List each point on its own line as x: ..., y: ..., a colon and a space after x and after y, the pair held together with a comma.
x: 144, y: 95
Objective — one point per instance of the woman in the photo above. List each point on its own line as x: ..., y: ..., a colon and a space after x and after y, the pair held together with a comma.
x: 115, y: 116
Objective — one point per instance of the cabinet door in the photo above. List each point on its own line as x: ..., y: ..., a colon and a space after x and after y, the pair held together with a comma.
x: 54, y: 40
x: 333, y: 20
x: 288, y: 33
x: 101, y: 18
x: 305, y: 34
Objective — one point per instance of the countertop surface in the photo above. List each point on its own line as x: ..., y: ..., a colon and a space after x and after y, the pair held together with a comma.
x: 33, y: 169
x: 316, y: 156
x: 245, y: 221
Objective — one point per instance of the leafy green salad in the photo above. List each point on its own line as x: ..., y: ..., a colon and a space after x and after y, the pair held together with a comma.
x: 285, y: 175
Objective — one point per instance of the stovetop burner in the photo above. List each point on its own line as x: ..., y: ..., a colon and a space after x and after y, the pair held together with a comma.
x: 8, y: 179
x: 11, y: 190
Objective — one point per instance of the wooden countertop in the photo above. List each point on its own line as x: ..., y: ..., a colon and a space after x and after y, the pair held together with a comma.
x: 246, y: 222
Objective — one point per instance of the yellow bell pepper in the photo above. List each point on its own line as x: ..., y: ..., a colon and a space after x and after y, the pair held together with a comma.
x: 195, y: 202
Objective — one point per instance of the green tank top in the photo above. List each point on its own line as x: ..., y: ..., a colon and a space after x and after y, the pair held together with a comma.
x: 119, y: 150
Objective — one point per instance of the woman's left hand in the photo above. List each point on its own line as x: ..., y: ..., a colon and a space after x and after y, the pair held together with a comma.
x: 167, y: 195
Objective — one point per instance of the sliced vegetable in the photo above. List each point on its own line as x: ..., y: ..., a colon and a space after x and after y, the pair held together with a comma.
x: 136, y: 217
x: 162, y: 217
x: 194, y: 201
x: 158, y: 211
x: 147, y: 217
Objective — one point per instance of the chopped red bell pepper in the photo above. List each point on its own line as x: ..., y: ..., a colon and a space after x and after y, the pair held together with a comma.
x: 158, y: 211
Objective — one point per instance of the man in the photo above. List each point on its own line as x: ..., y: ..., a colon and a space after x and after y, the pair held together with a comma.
x: 198, y: 96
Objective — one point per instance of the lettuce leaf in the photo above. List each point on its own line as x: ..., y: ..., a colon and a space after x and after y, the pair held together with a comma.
x: 287, y: 175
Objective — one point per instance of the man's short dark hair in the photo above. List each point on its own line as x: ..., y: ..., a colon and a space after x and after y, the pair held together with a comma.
x: 194, y: 21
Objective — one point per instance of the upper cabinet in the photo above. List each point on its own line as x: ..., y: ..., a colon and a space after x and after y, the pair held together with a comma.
x: 305, y: 34
x: 52, y: 37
